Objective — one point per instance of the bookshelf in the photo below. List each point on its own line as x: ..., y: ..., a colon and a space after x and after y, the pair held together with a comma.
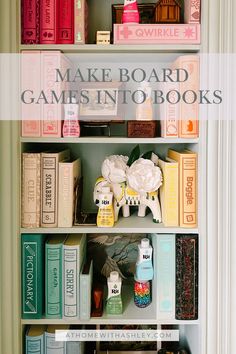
x: 200, y: 334
x: 120, y: 144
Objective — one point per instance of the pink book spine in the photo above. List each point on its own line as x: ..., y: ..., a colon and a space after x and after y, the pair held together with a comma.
x: 65, y: 22
x: 192, y: 11
x: 169, y: 112
x: 51, y: 119
x: 30, y: 80
x: 189, y: 113
x: 81, y: 26
x: 30, y: 21
x: 48, y: 21
x: 156, y: 34
x: 30, y: 190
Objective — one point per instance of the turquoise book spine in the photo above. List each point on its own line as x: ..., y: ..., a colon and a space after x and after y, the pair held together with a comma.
x: 35, y: 345
x: 53, y: 280
x: 165, y: 258
x: 32, y: 266
x: 86, y: 277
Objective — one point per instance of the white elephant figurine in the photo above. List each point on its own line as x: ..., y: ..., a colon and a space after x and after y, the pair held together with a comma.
x: 125, y: 197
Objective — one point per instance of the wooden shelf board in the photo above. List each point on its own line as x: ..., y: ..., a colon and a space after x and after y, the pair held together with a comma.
x: 111, y: 140
x: 132, y: 224
x: 94, y: 48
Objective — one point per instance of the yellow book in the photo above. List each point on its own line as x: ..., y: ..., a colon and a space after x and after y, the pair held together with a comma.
x: 169, y: 192
x: 187, y: 161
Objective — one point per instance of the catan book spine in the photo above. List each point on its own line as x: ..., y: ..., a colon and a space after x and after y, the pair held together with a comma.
x: 187, y: 277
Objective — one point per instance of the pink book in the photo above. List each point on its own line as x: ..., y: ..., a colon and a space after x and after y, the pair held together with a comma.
x: 30, y: 79
x: 169, y: 110
x: 188, y: 113
x: 30, y: 21
x: 48, y: 21
x: 156, y: 34
x: 192, y: 11
x: 81, y: 22
x: 65, y: 22
x: 52, y: 113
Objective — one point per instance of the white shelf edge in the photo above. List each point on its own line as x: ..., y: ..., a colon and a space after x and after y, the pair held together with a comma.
x: 107, y: 320
x: 110, y: 140
x: 94, y: 48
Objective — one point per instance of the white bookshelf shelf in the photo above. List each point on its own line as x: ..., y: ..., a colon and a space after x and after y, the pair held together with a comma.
x: 132, y: 224
x: 116, y: 48
x: 110, y: 140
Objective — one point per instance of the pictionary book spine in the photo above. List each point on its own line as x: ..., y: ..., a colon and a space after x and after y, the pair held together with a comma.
x: 32, y: 252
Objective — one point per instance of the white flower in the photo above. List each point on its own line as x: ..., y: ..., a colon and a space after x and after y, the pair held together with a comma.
x: 143, y: 176
x: 114, y: 168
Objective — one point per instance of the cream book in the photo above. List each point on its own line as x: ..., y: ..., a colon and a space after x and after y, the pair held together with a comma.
x: 49, y: 203
x: 74, y: 252
x: 169, y: 192
x: 69, y: 175
x: 30, y: 190
x: 187, y: 161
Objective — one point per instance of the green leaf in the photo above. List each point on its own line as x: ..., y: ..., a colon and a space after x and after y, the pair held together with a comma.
x: 147, y: 155
x: 135, y: 153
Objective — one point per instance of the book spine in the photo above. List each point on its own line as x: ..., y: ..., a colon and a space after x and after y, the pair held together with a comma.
x: 34, y: 345
x: 30, y: 77
x: 51, y: 112
x: 30, y: 22
x: 48, y: 22
x: 85, y: 294
x: 188, y: 192
x: 52, y: 346
x: 71, y: 283
x: 169, y: 194
x: 188, y: 123
x: 75, y: 348
x: 65, y: 28
x: 165, y: 276
x: 49, y: 191
x: 186, y: 277
x: 32, y: 250
x: 192, y: 11
x: 53, y: 281
x: 80, y: 22
x: 66, y: 197
x: 30, y: 201
x: 157, y: 33
x: 169, y: 113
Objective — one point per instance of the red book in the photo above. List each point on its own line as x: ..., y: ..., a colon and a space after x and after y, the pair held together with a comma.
x: 30, y: 21
x: 65, y: 24
x: 48, y: 21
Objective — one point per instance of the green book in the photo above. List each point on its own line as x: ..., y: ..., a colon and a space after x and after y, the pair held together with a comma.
x: 53, y: 275
x: 32, y: 246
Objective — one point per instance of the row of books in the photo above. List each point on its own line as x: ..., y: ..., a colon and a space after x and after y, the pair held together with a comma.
x: 41, y: 340
x: 54, y: 21
x: 51, y: 277
x: 58, y: 271
x: 50, y: 189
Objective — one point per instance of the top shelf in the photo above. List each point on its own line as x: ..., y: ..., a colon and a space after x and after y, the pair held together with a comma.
x: 116, y: 48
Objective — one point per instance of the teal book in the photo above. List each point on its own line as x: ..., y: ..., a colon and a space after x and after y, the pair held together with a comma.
x: 86, y: 279
x: 51, y: 345
x: 165, y: 273
x: 75, y: 347
x: 32, y: 266
x: 34, y: 340
x: 53, y: 276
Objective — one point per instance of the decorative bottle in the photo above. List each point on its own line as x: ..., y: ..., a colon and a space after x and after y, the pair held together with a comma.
x: 130, y: 12
x: 114, y: 301
x: 71, y: 126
